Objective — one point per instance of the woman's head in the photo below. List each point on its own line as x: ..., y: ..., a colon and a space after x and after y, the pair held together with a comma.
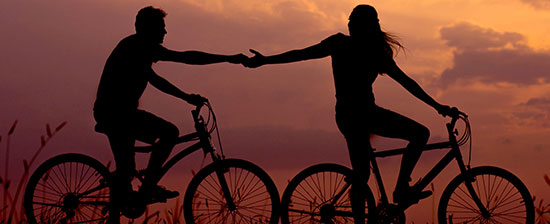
x: 363, y: 21
x: 364, y: 26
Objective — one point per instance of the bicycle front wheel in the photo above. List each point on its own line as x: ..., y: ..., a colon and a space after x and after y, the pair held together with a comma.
x: 254, y: 195
x: 503, y: 195
x: 69, y: 188
x: 321, y: 194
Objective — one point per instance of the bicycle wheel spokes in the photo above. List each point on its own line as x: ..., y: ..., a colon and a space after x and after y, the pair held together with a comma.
x: 321, y: 193
x: 67, y: 191
x: 248, y: 191
x: 504, y: 197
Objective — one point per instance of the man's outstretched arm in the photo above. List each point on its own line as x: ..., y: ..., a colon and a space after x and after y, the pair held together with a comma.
x: 201, y: 58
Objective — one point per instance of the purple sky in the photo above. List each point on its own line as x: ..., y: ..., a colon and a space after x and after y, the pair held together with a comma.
x: 490, y: 65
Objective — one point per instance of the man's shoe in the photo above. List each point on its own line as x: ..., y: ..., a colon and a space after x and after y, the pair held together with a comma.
x: 407, y: 196
x: 159, y: 194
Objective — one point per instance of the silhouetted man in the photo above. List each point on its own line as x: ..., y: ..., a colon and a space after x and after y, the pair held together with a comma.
x: 125, y: 76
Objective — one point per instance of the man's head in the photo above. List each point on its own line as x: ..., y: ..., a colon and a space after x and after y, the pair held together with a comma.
x: 150, y: 24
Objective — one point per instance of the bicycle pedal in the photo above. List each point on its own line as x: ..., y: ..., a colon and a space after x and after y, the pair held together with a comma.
x: 156, y: 200
x: 105, y: 210
x: 413, y: 198
x: 424, y: 194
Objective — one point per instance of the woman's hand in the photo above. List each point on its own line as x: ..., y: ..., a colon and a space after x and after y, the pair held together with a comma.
x: 256, y: 61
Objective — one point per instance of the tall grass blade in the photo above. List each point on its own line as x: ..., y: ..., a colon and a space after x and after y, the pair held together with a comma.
x: 48, y: 130
x: 60, y: 126
x: 12, y: 129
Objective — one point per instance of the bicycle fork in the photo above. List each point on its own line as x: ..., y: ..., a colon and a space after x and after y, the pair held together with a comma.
x: 468, y: 180
x: 220, y: 171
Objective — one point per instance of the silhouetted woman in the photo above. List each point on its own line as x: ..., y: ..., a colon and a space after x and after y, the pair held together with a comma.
x: 357, y: 60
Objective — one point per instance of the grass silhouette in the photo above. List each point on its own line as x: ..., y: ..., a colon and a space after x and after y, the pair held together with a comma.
x: 12, y: 211
x: 542, y: 209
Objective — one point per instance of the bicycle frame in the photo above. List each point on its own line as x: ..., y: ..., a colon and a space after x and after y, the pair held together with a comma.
x: 203, y: 137
x: 453, y: 154
x: 74, y: 187
x: 204, y: 143
x: 332, y: 193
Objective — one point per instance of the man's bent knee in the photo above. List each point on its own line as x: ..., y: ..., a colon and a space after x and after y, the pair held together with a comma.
x: 423, y: 135
x: 419, y: 137
x: 169, y: 133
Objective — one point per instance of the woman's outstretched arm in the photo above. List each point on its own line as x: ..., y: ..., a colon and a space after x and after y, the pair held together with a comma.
x: 312, y: 52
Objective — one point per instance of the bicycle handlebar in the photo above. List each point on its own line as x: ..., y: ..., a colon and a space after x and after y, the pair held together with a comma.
x: 196, y: 112
x: 455, y: 116
x: 199, y: 121
x: 455, y: 113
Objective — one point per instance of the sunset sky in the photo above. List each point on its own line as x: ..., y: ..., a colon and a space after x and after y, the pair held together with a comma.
x: 490, y: 58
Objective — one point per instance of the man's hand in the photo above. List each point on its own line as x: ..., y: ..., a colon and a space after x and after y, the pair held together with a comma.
x: 445, y: 110
x: 237, y: 59
x: 256, y: 61
x: 195, y: 99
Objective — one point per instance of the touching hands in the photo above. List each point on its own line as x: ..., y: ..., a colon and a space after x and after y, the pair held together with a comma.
x: 256, y: 61
x: 237, y: 59
x: 250, y: 62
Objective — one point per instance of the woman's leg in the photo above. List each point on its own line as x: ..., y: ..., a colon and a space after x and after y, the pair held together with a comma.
x: 358, y: 148
x: 387, y: 123
x: 357, y: 139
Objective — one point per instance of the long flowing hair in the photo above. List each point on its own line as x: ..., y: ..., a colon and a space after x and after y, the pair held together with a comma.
x: 386, y: 43
x: 392, y: 44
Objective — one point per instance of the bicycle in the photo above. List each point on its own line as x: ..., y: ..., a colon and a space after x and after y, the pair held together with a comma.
x: 75, y: 188
x: 485, y: 194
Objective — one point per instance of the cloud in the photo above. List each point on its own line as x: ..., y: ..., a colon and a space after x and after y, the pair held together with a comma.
x: 492, y: 57
x: 466, y: 36
x: 538, y: 103
x: 269, y: 24
x: 535, y: 112
x: 538, y: 4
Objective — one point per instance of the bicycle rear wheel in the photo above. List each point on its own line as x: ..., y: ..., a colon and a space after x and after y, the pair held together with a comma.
x: 321, y: 194
x: 69, y: 188
x: 253, y: 192
x: 505, y: 197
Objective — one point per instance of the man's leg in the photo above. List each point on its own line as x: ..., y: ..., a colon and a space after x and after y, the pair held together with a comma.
x: 153, y: 128
x: 121, y: 145
x: 159, y: 155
